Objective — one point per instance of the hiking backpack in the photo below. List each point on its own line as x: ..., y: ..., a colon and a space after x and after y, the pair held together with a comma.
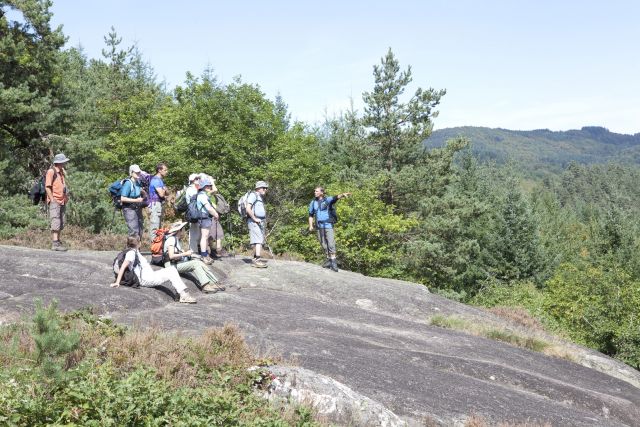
x: 193, y: 213
x: 157, y: 247
x: 129, y: 278
x: 144, y: 179
x: 115, y: 191
x: 38, y: 193
x: 333, y: 214
x: 180, y: 205
x: 242, y: 209
x: 221, y: 205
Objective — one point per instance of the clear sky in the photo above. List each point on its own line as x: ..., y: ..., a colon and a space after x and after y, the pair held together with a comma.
x: 515, y: 64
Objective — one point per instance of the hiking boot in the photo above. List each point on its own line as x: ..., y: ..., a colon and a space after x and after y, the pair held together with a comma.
x: 210, y: 288
x: 327, y: 264
x: 334, y: 265
x: 207, y: 260
x: 258, y: 263
x: 220, y: 287
x: 185, y: 298
x: 222, y: 253
x: 57, y: 246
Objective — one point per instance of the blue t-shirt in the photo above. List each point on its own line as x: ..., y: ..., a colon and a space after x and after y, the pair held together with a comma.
x: 156, y: 182
x: 202, y: 203
x: 257, y: 205
x: 131, y: 189
x: 320, y: 208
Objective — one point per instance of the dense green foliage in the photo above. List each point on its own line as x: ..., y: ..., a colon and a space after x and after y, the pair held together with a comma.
x: 78, y: 369
x: 542, y: 226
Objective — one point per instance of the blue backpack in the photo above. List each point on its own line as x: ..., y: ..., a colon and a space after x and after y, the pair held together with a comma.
x: 115, y: 190
x: 195, y: 213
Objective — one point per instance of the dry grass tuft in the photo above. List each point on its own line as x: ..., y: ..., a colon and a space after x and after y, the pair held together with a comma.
x: 530, y: 339
x: 177, y: 358
x: 475, y: 420
x: 519, y: 316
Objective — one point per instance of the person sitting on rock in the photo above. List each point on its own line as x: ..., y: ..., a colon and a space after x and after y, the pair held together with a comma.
x: 176, y: 257
x: 147, y: 276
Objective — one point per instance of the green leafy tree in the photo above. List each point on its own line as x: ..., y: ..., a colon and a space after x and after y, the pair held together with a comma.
x: 598, y: 307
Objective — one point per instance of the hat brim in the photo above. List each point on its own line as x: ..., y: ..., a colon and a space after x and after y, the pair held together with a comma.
x: 173, y: 230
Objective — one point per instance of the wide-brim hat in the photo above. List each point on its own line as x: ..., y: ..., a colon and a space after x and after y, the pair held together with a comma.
x: 60, y: 158
x: 193, y: 177
x: 176, y: 226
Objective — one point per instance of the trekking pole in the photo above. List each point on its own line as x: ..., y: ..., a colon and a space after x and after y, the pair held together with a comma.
x: 229, y: 240
x: 264, y: 232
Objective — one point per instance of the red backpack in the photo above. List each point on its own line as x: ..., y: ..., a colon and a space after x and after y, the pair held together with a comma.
x: 157, y: 247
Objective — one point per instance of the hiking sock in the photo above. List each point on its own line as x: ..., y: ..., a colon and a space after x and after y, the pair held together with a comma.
x: 204, y: 254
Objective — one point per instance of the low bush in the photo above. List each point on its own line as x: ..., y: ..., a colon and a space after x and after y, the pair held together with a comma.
x: 18, y: 214
x: 113, y: 376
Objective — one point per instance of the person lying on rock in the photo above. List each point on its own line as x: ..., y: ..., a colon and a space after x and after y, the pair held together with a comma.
x: 175, y: 257
x: 147, y: 276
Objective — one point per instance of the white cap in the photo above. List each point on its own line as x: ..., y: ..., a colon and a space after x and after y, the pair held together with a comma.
x: 134, y: 168
x: 193, y: 177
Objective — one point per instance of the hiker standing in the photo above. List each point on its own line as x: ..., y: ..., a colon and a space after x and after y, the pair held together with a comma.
x: 320, y: 209
x: 147, y: 276
x: 131, y: 199
x: 176, y: 257
x: 207, y: 212
x: 194, y: 231
x: 256, y: 216
x: 57, y: 197
x: 157, y: 195
x: 216, y: 234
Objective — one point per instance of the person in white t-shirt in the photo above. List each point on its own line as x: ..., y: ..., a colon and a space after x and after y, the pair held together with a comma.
x: 147, y: 276
x: 194, y: 230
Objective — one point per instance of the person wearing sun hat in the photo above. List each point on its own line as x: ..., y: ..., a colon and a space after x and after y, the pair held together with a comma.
x: 131, y: 199
x: 256, y: 217
x: 55, y: 185
x: 182, y: 261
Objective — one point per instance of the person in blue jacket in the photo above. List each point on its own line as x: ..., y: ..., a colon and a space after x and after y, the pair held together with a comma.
x: 320, y: 210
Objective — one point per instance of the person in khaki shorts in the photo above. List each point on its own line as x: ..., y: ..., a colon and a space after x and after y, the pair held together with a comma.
x: 55, y: 185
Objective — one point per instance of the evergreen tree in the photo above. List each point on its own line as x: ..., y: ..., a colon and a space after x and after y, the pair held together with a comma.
x: 398, y: 129
x: 516, y: 239
x: 31, y: 109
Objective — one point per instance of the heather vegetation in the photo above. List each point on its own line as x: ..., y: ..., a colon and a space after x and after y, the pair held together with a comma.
x: 78, y: 369
x: 564, y: 246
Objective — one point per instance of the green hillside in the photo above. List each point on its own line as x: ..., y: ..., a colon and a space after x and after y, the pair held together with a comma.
x: 541, y: 151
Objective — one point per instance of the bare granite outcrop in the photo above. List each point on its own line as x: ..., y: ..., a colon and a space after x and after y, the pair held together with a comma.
x: 368, y: 338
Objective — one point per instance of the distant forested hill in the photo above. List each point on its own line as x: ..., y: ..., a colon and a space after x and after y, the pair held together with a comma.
x: 542, y: 151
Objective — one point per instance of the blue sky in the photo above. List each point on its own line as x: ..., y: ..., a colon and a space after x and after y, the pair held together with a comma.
x: 512, y: 64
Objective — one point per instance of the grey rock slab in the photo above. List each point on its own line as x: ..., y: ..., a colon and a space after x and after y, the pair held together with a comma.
x: 371, y: 335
